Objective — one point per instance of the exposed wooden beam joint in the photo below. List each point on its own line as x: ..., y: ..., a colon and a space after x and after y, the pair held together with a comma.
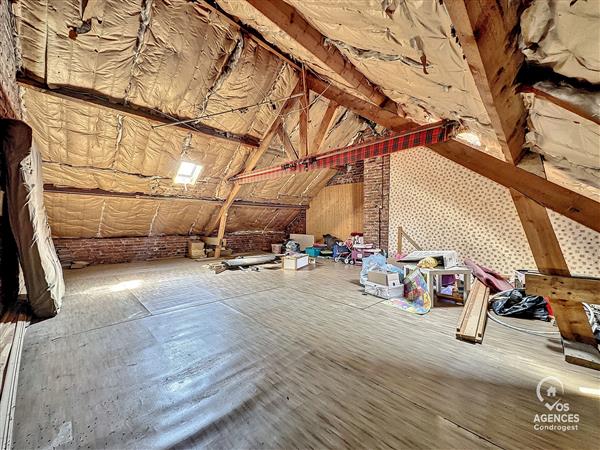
x: 255, y: 157
x: 379, y: 115
x: 488, y: 35
x: 99, y: 100
x: 486, y: 31
x: 290, y: 151
x: 297, y: 28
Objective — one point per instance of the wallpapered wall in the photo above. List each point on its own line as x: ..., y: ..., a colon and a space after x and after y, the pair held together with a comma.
x: 442, y: 205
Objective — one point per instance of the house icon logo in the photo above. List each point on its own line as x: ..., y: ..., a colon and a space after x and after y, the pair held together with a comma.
x: 558, y: 416
x: 549, y: 392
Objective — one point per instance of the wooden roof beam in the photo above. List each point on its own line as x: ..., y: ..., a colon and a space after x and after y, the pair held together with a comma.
x: 488, y: 35
x: 324, y: 126
x: 571, y: 107
x: 98, y: 100
x: 367, y: 110
x: 50, y: 188
x: 303, y: 33
x: 253, y: 161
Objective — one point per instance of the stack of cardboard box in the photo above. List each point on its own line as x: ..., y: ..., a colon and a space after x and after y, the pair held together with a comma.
x: 384, y: 284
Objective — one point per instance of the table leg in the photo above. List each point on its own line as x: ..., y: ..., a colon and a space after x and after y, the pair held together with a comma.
x: 430, y: 288
x: 467, y: 286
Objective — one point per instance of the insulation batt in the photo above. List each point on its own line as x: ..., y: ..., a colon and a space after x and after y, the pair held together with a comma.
x: 563, y: 35
x: 175, y: 57
x: 386, y: 41
x: 568, y: 142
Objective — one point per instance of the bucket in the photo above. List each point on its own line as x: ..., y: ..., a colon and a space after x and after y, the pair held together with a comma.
x: 276, y: 248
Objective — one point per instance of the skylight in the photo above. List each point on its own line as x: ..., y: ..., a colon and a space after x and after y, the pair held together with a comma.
x: 187, y: 173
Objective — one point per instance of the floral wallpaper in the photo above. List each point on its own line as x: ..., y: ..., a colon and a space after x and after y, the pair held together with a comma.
x: 444, y: 206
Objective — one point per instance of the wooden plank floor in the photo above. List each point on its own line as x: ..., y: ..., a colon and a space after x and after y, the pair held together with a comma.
x: 169, y: 355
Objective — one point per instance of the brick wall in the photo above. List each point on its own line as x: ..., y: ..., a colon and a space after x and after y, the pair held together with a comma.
x: 298, y: 225
x: 128, y: 249
x: 348, y: 174
x: 244, y: 242
x: 376, y: 191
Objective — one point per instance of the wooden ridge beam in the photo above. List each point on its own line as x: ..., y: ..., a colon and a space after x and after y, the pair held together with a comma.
x: 135, y: 195
x: 99, y: 100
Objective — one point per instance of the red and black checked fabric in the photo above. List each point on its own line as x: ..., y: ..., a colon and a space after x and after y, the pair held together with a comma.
x: 425, y: 135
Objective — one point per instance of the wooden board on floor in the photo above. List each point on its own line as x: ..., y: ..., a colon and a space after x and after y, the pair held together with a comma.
x: 472, y: 321
x: 565, y: 295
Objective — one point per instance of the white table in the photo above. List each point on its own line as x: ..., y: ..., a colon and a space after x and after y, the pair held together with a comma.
x: 436, y: 274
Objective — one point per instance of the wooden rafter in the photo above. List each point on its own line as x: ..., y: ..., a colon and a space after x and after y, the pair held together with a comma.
x: 251, y: 163
x: 324, y: 126
x: 357, y: 105
x: 571, y: 204
x: 290, y: 21
x: 572, y: 107
x: 290, y: 151
x: 486, y: 33
x: 487, y: 36
x: 88, y: 98
x: 564, y: 201
x: 137, y: 195
x: 304, y: 111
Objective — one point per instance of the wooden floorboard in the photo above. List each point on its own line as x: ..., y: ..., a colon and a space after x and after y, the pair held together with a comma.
x: 169, y: 355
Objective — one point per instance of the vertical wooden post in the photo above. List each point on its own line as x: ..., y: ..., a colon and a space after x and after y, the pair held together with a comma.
x: 221, y: 233
x: 304, y: 105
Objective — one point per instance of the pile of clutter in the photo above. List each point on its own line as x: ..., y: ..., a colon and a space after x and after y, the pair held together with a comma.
x: 387, y: 281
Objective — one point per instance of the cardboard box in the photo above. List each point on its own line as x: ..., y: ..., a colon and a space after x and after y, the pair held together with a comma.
x: 303, y: 240
x: 196, y: 249
x: 390, y: 279
x: 382, y: 291
x: 450, y: 257
x: 295, y: 262
x: 214, y: 241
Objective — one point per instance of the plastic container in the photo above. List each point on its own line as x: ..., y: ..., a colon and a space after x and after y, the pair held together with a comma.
x: 276, y: 248
x: 312, y: 251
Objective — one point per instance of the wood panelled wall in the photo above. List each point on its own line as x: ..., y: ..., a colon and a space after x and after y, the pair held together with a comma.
x: 336, y: 210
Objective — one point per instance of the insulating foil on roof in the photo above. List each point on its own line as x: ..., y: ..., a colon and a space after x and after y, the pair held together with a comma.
x: 74, y: 215
x: 100, y: 59
x: 563, y: 35
x: 259, y: 219
x: 178, y: 57
x: 386, y: 42
x: 563, y: 134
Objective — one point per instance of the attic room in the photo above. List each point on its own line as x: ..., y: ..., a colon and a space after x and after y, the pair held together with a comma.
x: 299, y: 224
